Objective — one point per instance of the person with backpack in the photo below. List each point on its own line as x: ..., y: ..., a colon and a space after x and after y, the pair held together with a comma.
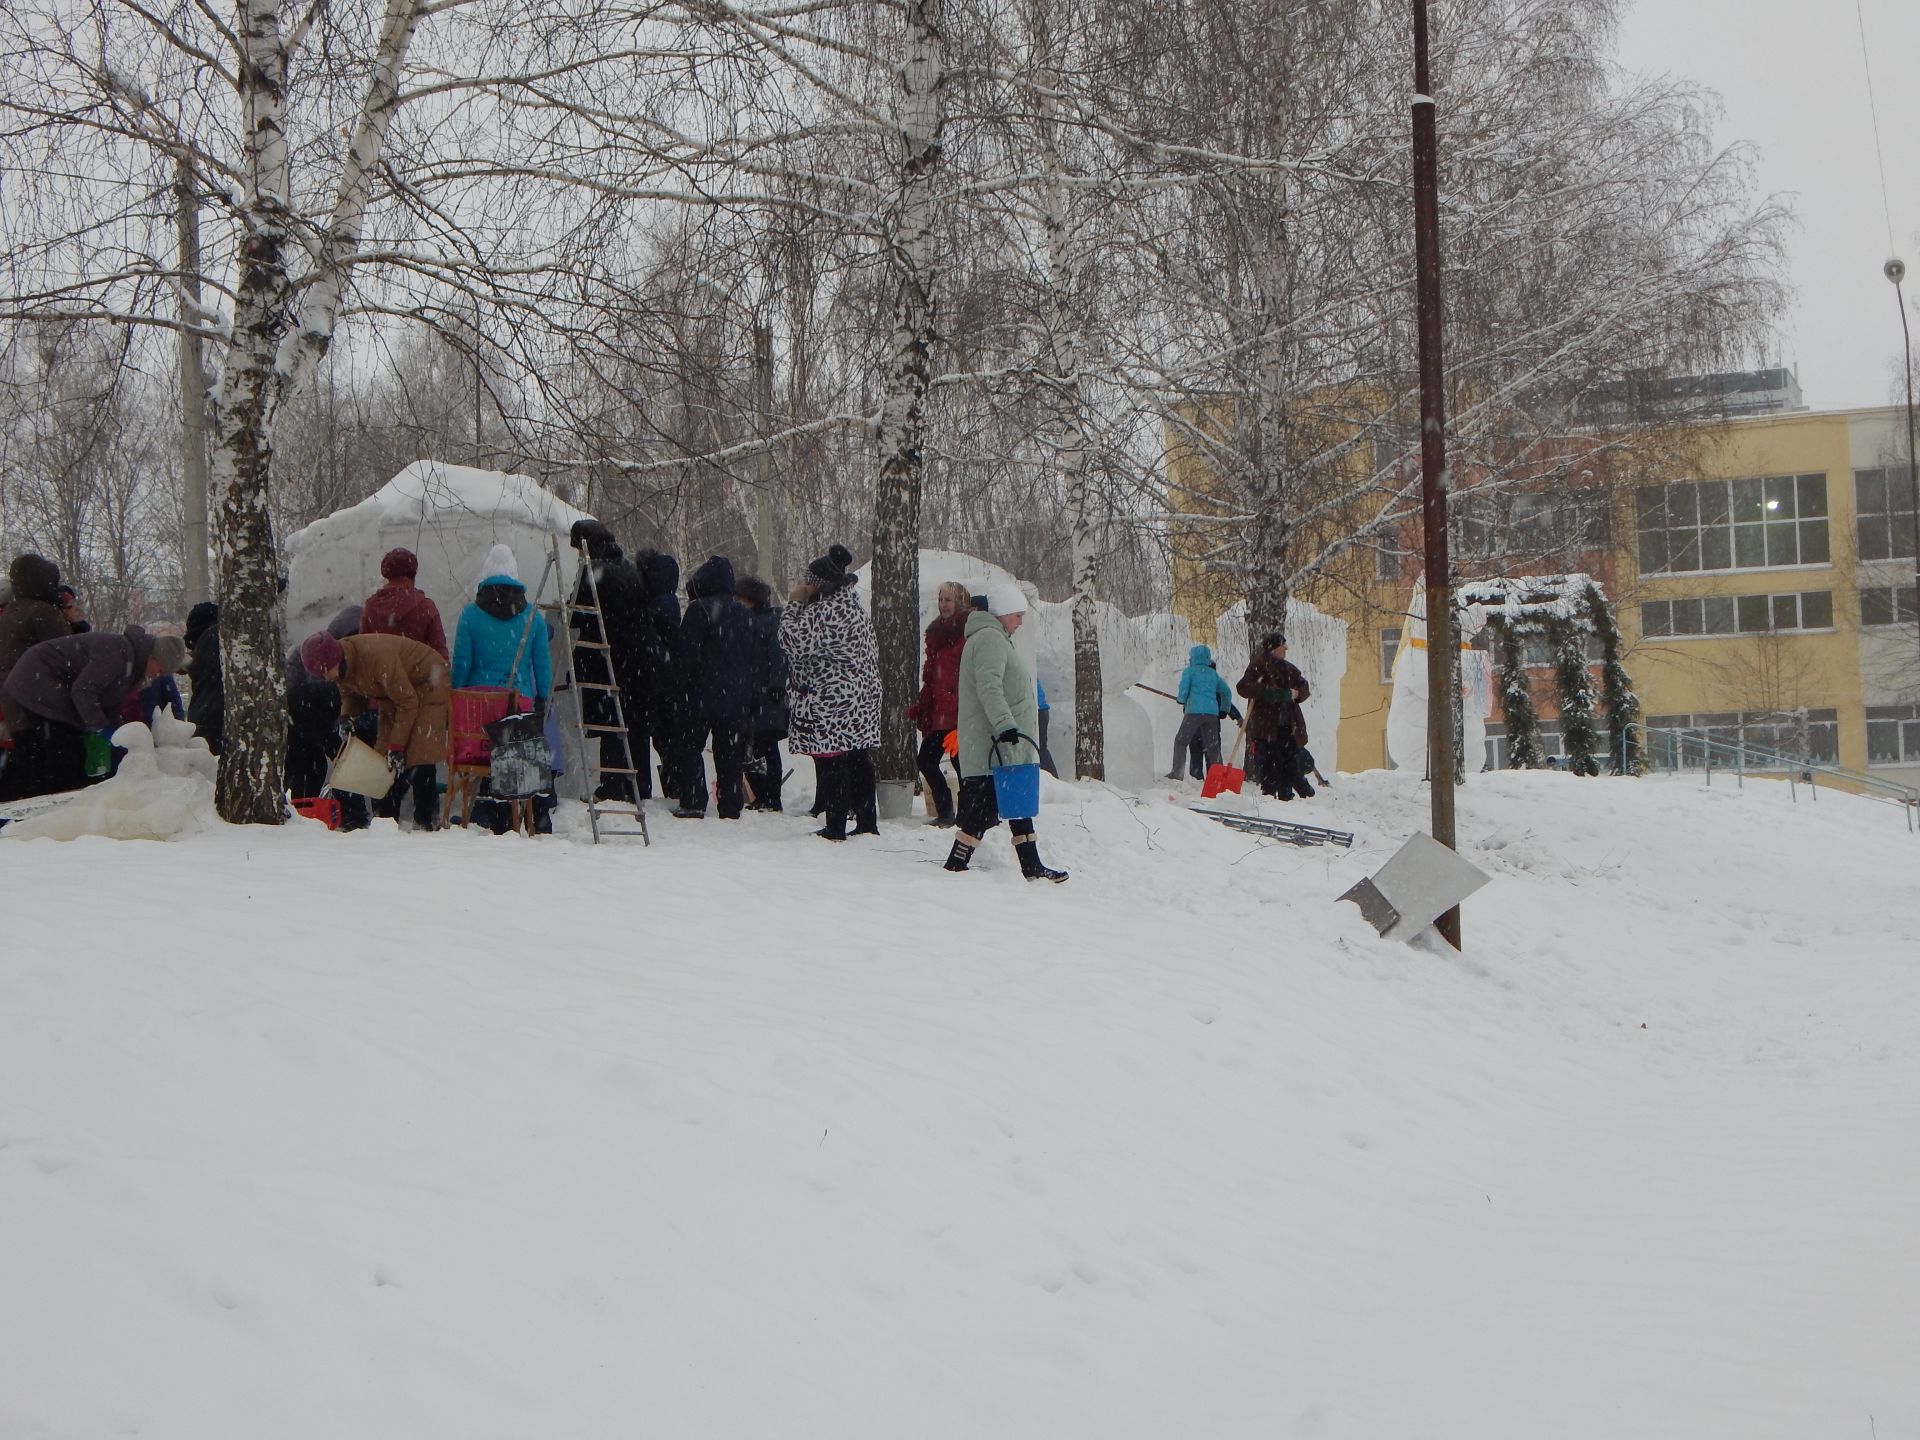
x: 769, y: 724
x: 1204, y: 697
x: 501, y: 640
x: 714, y: 654
x: 1276, y: 730
x: 936, y: 710
x: 833, y: 691
x: 998, y: 714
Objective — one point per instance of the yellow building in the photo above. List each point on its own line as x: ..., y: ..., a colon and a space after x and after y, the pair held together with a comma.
x: 1773, y: 577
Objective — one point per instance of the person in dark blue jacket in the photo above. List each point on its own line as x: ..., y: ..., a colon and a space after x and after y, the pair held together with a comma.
x: 659, y: 629
x: 764, y: 765
x: 1205, y: 697
x: 715, y: 662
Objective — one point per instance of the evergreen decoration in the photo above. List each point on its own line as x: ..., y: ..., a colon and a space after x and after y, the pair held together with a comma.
x: 1616, y: 688
x: 1564, y: 610
x: 1579, y: 735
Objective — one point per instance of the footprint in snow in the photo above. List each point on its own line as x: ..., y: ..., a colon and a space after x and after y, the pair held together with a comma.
x: 1205, y: 1014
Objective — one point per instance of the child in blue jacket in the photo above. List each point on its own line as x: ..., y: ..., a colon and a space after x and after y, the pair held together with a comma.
x: 1205, y: 697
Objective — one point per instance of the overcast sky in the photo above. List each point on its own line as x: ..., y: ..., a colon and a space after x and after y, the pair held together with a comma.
x: 1791, y: 76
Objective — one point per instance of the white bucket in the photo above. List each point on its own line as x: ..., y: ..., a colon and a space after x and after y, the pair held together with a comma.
x: 359, y: 769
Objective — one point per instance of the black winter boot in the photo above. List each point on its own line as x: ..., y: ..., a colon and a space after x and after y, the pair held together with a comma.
x: 961, y: 853
x: 1032, y: 866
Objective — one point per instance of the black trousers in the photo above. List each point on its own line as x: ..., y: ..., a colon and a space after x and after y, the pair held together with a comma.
x: 763, y: 753
x: 980, y: 811
x: 422, y: 782
x: 846, y: 785
x: 48, y: 759
x: 932, y: 752
x: 729, y: 769
x: 1275, y: 766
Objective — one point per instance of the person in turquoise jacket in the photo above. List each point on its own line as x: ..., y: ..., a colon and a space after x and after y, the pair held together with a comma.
x: 1204, y: 697
x: 498, y: 625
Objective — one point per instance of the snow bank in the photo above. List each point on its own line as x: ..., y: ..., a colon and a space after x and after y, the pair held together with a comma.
x: 163, y: 790
x: 338, y: 1139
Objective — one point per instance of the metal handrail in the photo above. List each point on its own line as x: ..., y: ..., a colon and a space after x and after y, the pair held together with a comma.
x: 1744, y: 760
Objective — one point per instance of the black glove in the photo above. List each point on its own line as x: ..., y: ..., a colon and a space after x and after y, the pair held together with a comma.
x: 540, y: 711
x: 342, y: 728
x: 1273, y: 695
x: 1233, y: 713
x: 1007, y: 737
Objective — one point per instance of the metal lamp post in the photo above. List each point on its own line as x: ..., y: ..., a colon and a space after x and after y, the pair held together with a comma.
x: 1896, y: 270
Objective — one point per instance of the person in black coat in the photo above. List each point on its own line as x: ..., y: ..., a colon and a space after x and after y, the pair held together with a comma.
x: 207, y: 704
x: 769, y: 724
x: 313, y: 717
x: 659, y: 685
x: 714, y: 659
x: 624, y: 625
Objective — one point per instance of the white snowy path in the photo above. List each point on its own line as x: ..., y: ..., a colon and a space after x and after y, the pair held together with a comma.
x: 306, y: 1135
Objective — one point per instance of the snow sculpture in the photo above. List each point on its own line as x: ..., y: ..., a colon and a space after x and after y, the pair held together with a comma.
x: 162, y: 791
x: 1407, y: 710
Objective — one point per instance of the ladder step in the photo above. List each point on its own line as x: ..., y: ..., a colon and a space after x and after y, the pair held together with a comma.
x: 591, y: 645
x: 614, y: 770
x: 593, y: 685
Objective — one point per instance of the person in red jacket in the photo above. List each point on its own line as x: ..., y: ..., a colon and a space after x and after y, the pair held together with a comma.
x: 399, y: 607
x: 937, y: 709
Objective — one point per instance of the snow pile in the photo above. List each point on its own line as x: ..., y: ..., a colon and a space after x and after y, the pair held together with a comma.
x: 397, y: 1136
x: 163, y: 790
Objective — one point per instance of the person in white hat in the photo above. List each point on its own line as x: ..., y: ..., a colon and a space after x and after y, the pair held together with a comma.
x: 998, y: 713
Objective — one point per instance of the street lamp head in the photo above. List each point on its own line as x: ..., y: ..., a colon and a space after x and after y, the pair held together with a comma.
x: 1895, y: 269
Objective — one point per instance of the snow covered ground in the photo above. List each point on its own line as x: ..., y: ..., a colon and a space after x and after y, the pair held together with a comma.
x: 307, y: 1135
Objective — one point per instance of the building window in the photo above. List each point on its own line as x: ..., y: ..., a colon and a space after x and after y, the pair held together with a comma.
x: 1536, y: 651
x: 1690, y: 742
x: 1389, y: 647
x: 1737, y: 614
x: 1882, y: 513
x: 1887, y: 605
x: 1751, y: 524
x: 1499, y: 749
x: 1893, y: 735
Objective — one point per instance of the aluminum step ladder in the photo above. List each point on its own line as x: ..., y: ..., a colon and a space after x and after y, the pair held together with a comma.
x: 598, y: 810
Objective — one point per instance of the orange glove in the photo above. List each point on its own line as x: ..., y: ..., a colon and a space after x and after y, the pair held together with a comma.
x: 952, y: 743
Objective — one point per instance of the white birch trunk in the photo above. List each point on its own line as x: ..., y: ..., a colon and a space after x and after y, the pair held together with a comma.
x: 896, y: 524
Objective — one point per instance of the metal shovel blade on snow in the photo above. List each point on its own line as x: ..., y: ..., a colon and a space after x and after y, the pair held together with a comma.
x: 1420, y: 883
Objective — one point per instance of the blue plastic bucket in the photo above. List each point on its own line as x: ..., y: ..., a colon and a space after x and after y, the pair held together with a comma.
x: 1016, y: 788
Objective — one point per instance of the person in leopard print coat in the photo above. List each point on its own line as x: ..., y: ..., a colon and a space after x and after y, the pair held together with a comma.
x: 833, y: 690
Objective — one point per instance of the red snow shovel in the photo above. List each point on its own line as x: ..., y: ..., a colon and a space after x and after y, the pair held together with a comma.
x: 1228, y: 776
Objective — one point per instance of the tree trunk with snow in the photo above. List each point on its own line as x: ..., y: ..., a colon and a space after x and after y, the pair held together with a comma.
x: 896, y: 523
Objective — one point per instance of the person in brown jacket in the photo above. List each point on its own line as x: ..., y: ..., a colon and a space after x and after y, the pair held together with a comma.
x: 1276, y: 730
x: 410, y: 688
x: 399, y: 607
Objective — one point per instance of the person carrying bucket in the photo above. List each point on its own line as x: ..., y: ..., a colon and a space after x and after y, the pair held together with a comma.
x: 999, y: 758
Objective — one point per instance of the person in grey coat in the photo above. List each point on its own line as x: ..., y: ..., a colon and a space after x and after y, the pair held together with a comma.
x: 999, y: 713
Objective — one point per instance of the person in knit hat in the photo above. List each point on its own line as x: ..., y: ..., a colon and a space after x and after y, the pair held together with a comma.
x: 833, y: 691
x: 399, y: 607
x: 501, y: 640
x: 409, y: 686
x: 998, y: 715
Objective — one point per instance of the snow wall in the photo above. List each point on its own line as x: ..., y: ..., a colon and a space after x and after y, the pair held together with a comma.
x: 449, y: 516
x: 1145, y: 649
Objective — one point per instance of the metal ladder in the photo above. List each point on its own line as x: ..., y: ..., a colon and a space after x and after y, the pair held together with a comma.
x: 590, y: 733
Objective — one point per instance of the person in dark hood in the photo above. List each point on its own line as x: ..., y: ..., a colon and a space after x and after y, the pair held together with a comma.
x: 765, y: 770
x: 833, y: 690
x: 400, y: 607
x: 72, y: 690
x: 660, y: 574
x: 32, y: 615
x: 313, y: 713
x: 206, y: 686
x: 622, y: 625
x: 714, y: 660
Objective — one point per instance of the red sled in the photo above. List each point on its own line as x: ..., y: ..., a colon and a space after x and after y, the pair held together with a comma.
x: 324, y: 808
x: 1228, y: 776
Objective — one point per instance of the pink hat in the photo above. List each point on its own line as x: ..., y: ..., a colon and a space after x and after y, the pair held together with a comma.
x: 320, y: 651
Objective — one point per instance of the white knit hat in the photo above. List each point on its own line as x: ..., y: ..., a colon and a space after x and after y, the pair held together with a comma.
x: 1006, y: 598
x: 500, y: 561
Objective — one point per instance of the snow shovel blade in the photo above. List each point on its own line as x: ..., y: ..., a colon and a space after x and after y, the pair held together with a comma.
x: 1221, y: 778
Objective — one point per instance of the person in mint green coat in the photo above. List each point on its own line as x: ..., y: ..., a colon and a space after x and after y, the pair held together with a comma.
x: 998, y: 708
